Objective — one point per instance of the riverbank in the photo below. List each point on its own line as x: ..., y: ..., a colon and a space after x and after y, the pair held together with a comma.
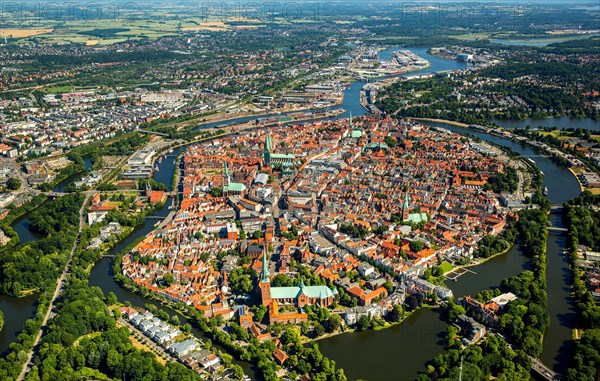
x: 581, y: 187
x: 480, y: 261
x: 445, y: 121
x: 387, y: 325
x: 221, y: 117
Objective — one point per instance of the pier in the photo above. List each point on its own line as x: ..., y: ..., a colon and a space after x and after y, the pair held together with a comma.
x: 457, y: 273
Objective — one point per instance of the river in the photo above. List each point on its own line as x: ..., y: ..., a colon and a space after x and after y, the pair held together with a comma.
x: 60, y: 187
x: 562, y: 186
x: 561, y: 122
x: 400, y: 352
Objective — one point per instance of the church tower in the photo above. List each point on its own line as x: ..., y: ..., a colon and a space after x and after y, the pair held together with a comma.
x: 405, y: 207
x: 268, y: 149
x: 264, y: 282
x: 226, y: 178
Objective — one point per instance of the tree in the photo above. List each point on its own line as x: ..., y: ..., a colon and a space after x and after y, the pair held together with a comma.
x: 416, y: 246
x: 334, y: 323
x: 13, y: 184
x: 260, y: 313
x: 168, y: 279
x: 395, y: 314
x: 319, y: 330
x: 111, y: 299
x: 363, y: 323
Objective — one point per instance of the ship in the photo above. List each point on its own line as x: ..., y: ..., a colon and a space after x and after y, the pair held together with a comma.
x: 545, y: 192
x: 156, y: 168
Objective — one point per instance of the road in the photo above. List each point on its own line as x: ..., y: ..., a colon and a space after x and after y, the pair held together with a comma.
x: 60, y: 285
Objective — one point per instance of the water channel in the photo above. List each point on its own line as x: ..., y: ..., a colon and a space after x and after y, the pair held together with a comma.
x: 400, y: 352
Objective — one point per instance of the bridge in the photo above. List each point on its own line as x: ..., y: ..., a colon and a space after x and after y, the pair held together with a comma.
x: 555, y: 229
x: 153, y: 132
x: 543, y: 370
x: 556, y: 208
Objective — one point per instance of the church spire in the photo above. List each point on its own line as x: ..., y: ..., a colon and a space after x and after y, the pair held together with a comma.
x: 405, y: 206
x: 225, y: 174
x: 268, y: 149
x: 350, y: 119
x: 264, y: 273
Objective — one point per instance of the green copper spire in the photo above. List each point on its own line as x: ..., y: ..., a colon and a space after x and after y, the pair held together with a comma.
x: 268, y: 148
x: 225, y: 169
x: 350, y: 119
x: 264, y: 273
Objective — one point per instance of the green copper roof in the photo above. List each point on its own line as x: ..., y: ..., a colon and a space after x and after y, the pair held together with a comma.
x: 417, y: 217
x: 294, y: 292
x: 235, y: 187
x: 282, y: 156
x: 375, y: 146
x: 356, y: 133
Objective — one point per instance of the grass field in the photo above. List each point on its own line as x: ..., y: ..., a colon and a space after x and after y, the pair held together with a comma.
x: 59, y: 89
x: 445, y: 266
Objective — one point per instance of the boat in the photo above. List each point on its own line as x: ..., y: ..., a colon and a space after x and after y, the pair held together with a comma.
x: 156, y: 168
x: 545, y: 192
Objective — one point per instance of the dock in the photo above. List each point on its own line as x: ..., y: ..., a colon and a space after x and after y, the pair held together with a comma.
x: 457, y: 273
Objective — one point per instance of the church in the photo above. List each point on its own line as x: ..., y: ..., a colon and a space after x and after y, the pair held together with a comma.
x: 298, y: 296
x: 270, y: 158
x: 231, y: 188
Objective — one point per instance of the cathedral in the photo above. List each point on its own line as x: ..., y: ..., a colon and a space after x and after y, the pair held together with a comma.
x: 298, y: 296
x: 270, y: 158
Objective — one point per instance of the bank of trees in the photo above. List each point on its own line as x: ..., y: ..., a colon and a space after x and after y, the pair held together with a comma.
x: 36, y: 265
x: 68, y: 351
x: 494, y: 244
x: 582, y: 220
x: 504, y: 181
x: 525, y: 320
x: 83, y: 341
x: 493, y: 358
